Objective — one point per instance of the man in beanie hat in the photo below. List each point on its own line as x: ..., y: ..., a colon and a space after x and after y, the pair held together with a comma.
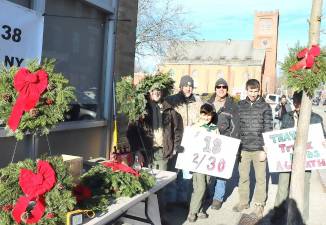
x: 188, y: 106
x: 228, y: 124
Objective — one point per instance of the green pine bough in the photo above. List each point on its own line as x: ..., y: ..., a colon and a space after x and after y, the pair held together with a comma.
x: 50, y: 109
x: 107, y: 185
x: 58, y: 201
x: 308, y: 80
x: 132, y: 98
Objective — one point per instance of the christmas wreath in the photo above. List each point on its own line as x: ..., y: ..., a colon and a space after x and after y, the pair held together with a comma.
x: 36, y: 192
x: 109, y: 181
x: 305, y: 68
x: 33, y: 99
x: 132, y: 98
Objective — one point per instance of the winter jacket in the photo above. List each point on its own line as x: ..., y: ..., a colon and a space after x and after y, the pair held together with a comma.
x: 188, y: 108
x: 140, y: 134
x: 227, y: 117
x: 278, y: 110
x: 255, y: 119
x: 288, y: 120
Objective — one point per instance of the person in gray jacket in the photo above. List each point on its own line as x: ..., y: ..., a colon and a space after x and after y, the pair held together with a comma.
x: 280, y: 110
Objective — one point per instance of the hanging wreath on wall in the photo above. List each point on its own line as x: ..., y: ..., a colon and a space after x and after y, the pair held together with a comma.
x: 33, y: 99
x: 36, y: 192
x: 132, y: 98
x: 305, y: 68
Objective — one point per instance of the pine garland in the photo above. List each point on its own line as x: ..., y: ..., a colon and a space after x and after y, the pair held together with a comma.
x: 307, y: 80
x: 107, y: 185
x: 58, y: 201
x: 132, y: 98
x: 50, y: 109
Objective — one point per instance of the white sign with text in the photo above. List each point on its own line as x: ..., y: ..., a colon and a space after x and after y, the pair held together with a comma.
x: 208, y: 153
x: 21, y: 34
x: 280, y: 149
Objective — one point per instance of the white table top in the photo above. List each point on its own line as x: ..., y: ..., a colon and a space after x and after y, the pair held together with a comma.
x: 124, y: 203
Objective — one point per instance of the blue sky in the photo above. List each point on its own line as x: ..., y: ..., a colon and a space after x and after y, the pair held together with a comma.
x: 220, y: 20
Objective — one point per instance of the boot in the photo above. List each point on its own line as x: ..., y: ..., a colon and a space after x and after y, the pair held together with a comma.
x: 216, y: 205
x: 258, y: 211
x: 202, y: 215
x: 240, y: 207
x: 192, y: 217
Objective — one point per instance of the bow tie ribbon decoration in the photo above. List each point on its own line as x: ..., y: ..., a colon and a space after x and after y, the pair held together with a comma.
x: 30, y: 86
x: 307, y: 58
x: 30, y: 208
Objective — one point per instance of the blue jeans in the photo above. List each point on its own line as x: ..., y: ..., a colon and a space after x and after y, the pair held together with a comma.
x: 219, y: 189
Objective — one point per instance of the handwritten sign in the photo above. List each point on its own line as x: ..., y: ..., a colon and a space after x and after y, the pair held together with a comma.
x: 280, y: 149
x: 21, y: 34
x: 208, y: 153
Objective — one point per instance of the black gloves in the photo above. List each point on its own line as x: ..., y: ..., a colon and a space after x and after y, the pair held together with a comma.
x: 179, y: 149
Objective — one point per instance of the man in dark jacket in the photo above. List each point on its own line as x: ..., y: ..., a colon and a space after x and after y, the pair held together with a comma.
x: 255, y: 119
x: 228, y: 125
x: 156, y: 137
x: 290, y: 120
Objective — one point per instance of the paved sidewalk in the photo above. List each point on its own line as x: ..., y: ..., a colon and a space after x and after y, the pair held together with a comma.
x: 225, y: 216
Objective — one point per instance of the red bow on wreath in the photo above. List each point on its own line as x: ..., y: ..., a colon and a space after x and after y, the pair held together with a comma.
x: 37, y: 184
x: 121, y: 167
x: 307, y: 57
x: 28, y: 210
x: 30, y: 86
x: 82, y: 193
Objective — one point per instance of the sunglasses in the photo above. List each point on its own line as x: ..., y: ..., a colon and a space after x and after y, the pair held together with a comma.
x: 221, y: 86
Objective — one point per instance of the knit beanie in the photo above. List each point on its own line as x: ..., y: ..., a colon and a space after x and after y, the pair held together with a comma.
x: 186, y: 80
x: 221, y: 81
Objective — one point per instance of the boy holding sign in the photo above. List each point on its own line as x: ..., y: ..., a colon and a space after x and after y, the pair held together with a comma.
x: 201, y: 181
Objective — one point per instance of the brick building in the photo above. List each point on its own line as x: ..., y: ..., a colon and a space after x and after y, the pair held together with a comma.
x: 234, y: 60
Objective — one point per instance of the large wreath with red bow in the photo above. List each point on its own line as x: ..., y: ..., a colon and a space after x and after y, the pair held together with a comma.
x: 305, y: 68
x: 36, y: 192
x: 33, y: 99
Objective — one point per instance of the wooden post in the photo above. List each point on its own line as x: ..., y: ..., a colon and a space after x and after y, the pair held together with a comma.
x: 299, y: 154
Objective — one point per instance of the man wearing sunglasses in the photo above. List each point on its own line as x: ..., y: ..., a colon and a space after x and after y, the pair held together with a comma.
x: 228, y: 124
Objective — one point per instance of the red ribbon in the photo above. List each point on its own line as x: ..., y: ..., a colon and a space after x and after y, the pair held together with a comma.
x: 115, y: 166
x: 30, y: 86
x: 307, y: 57
x: 33, y: 215
x: 34, y: 185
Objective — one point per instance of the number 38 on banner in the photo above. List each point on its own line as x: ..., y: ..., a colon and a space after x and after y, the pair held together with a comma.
x: 208, y: 153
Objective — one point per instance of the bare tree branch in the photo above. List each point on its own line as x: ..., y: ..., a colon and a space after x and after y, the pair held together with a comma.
x: 161, y: 24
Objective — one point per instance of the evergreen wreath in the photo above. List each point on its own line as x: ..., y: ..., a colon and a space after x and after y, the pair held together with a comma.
x: 132, y: 98
x: 106, y: 185
x: 303, y: 78
x: 56, y: 199
x: 49, y: 108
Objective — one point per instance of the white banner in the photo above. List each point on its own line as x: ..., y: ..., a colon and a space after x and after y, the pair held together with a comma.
x: 280, y: 149
x: 207, y: 153
x: 21, y: 34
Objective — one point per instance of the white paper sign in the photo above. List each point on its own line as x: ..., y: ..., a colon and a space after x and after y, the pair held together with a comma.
x: 208, y: 153
x: 280, y: 149
x: 21, y: 34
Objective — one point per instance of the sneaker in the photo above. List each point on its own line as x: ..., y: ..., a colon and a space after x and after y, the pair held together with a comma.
x: 192, y: 217
x: 202, y: 215
x: 258, y: 211
x: 216, y: 205
x: 240, y: 207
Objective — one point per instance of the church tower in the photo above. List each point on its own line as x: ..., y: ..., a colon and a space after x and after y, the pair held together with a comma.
x: 265, y: 36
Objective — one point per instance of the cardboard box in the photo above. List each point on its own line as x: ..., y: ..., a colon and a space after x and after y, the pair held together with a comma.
x: 75, y: 166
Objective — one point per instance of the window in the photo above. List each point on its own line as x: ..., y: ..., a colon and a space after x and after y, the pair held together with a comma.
x: 74, y: 35
x: 26, y: 3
